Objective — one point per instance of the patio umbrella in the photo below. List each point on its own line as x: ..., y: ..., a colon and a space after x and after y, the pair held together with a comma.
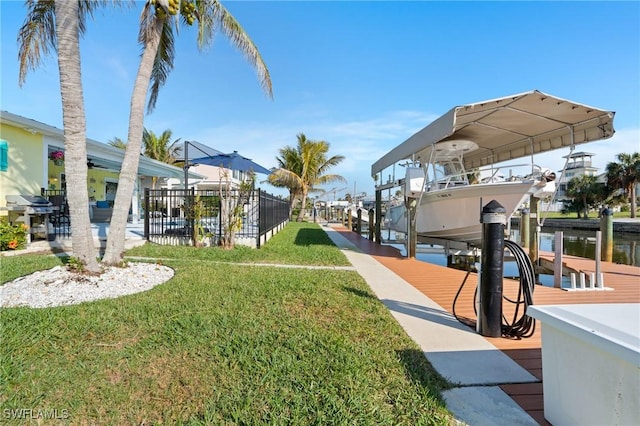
x: 233, y: 161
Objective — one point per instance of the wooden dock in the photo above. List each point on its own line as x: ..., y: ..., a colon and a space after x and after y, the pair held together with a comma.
x: 441, y: 284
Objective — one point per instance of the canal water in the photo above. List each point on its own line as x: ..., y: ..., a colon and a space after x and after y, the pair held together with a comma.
x: 626, y: 250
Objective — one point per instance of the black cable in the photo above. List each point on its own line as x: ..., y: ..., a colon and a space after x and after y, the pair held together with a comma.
x: 523, y: 325
x: 520, y: 327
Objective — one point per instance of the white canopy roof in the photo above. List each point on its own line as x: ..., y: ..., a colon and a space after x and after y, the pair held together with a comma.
x: 507, y: 128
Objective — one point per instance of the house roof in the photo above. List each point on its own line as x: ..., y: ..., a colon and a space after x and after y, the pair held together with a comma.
x: 100, y: 154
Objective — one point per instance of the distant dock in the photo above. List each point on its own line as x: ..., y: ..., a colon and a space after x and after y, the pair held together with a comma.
x: 619, y: 225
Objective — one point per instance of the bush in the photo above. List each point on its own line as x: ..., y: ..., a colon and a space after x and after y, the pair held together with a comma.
x: 12, y: 237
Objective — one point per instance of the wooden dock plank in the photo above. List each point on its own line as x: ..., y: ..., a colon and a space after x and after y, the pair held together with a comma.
x: 442, y: 284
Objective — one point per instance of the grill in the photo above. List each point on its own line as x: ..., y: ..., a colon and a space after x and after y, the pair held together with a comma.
x: 33, y: 211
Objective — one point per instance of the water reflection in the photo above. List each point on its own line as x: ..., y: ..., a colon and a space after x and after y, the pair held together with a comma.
x: 626, y: 249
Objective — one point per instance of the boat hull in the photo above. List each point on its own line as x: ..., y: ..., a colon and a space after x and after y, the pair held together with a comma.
x: 454, y: 213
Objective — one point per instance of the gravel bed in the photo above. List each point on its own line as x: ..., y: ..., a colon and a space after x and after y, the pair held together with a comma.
x: 58, y: 286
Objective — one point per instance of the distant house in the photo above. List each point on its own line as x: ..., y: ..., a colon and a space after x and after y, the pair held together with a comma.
x: 212, y: 177
x: 35, y: 164
x: 579, y: 164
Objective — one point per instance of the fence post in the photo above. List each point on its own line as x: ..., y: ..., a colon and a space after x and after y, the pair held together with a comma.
x: 146, y: 214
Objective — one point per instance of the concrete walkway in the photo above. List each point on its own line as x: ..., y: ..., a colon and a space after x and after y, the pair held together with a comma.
x: 465, y: 358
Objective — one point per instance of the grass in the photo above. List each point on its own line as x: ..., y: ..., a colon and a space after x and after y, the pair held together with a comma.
x: 573, y: 215
x: 224, y: 344
x: 12, y: 267
x: 299, y: 243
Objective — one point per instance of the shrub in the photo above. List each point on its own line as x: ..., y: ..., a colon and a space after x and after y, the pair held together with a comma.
x: 12, y: 237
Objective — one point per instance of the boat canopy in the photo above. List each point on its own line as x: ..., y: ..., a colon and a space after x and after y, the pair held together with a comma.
x: 505, y: 129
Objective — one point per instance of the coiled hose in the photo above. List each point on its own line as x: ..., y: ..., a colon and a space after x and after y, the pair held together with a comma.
x: 521, y: 324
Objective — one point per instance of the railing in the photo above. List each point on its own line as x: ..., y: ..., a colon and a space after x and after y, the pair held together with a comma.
x: 447, y: 181
x: 180, y: 217
x: 59, y: 219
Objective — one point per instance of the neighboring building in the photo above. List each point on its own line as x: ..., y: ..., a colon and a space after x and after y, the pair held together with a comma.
x: 32, y: 168
x: 579, y: 165
x: 212, y: 177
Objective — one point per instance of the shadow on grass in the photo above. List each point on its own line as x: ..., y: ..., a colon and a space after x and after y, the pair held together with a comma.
x: 360, y: 293
x: 420, y: 371
x: 308, y: 237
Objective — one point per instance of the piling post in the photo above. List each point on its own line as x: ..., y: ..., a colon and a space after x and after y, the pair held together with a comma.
x: 372, y: 224
x: 524, y: 228
x: 534, y: 229
x: 378, y: 227
x: 412, y: 238
x: 359, y: 222
x: 349, y: 220
x: 557, y: 260
x: 494, y: 218
x: 606, y: 227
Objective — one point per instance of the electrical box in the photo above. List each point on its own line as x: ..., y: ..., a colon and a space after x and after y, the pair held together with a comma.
x: 414, y: 182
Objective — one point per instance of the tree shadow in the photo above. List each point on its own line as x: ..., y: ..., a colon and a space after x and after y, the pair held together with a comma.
x: 420, y: 371
x: 308, y: 237
x: 360, y: 293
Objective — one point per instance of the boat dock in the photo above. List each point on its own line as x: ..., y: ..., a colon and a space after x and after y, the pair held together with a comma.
x: 441, y: 284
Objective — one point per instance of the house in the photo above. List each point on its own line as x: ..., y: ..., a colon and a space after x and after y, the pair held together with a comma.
x: 34, y: 154
x: 579, y: 164
x: 212, y: 177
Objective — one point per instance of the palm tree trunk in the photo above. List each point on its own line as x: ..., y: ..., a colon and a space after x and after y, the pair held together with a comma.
x: 303, y: 205
x: 129, y: 170
x: 632, y: 194
x: 75, y: 142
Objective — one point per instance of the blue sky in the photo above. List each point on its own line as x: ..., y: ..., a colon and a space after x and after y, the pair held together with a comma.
x: 363, y: 76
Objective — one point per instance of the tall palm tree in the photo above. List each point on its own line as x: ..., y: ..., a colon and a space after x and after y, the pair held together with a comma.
x: 157, y: 27
x: 625, y: 175
x: 160, y: 148
x: 118, y: 143
x: 290, y: 160
x: 58, y: 26
x: 309, y: 170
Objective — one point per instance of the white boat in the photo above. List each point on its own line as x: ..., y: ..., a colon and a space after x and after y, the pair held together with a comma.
x: 445, y: 157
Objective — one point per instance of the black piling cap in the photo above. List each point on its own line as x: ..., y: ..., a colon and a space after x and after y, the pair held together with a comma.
x: 494, y: 207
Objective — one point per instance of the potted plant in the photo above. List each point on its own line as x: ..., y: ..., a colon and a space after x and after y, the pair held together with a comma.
x: 57, y: 157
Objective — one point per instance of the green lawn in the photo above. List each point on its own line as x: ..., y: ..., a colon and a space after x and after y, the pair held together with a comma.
x: 223, y: 344
x: 592, y: 215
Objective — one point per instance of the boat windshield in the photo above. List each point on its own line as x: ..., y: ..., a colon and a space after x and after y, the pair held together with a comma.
x: 448, y: 169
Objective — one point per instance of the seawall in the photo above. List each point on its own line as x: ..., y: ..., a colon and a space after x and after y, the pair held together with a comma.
x: 619, y: 225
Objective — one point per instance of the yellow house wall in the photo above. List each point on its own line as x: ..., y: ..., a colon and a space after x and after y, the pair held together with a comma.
x: 26, y: 169
x: 96, y: 182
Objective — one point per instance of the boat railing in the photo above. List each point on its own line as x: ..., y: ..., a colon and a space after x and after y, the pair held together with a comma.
x: 462, y: 179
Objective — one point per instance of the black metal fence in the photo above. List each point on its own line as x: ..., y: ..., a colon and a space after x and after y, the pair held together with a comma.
x: 59, y: 219
x: 189, y: 217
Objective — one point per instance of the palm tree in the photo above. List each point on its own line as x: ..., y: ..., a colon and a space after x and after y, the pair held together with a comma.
x: 58, y: 26
x: 585, y: 192
x: 310, y: 164
x: 160, y: 148
x: 289, y: 159
x: 625, y: 175
x: 118, y: 143
x: 157, y: 26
